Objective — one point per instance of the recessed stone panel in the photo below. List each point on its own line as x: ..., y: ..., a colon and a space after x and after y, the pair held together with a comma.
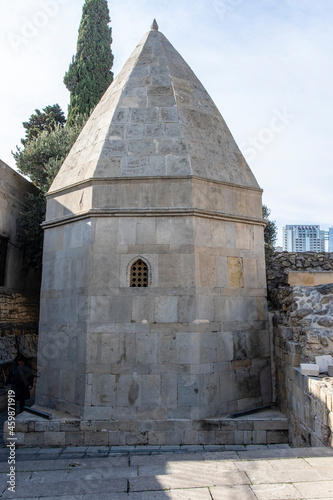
x: 235, y: 272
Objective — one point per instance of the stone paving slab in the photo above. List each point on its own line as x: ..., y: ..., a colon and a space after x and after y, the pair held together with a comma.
x: 189, y: 494
x: 306, y: 474
x: 290, y: 463
x: 326, y: 472
x: 186, y: 480
x: 285, y: 453
x: 22, y: 477
x: 59, y: 488
x: 46, y: 465
x: 257, y: 465
x: 262, y: 468
x: 225, y: 455
x: 101, y: 473
x: 315, y: 490
x: 239, y: 492
x: 47, y: 451
x: 201, y: 468
x: 44, y: 476
x: 96, y: 451
x: 276, y: 492
x: 319, y: 461
x: 75, y: 449
x: 284, y: 476
x: 162, y: 458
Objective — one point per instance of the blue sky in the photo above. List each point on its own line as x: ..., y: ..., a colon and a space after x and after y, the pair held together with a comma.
x: 267, y: 64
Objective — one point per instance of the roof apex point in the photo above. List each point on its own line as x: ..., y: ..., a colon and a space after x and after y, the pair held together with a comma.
x: 154, y: 26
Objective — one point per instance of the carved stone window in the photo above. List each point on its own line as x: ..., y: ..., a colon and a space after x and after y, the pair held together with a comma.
x: 139, y: 274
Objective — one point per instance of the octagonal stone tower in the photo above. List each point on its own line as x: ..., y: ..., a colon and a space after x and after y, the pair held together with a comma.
x: 153, y: 308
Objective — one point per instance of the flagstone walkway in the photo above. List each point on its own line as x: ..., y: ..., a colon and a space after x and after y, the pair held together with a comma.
x: 163, y: 473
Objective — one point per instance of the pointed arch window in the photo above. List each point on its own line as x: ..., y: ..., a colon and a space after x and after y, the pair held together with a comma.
x: 139, y: 276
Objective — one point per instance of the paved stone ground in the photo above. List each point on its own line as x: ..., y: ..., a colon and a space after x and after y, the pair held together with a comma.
x: 177, y: 473
x: 273, y: 472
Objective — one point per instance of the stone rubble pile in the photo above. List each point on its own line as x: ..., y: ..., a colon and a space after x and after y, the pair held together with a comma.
x: 309, y: 311
x: 303, y: 347
x: 323, y: 364
x: 284, y: 262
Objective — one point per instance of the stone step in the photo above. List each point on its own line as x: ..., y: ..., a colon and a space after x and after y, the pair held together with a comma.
x: 269, y: 426
x: 263, y: 428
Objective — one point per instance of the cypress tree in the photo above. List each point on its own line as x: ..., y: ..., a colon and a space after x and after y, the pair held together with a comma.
x: 89, y: 73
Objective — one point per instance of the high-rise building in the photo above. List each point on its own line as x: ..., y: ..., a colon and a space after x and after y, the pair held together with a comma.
x: 299, y: 238
x: 330, y: 239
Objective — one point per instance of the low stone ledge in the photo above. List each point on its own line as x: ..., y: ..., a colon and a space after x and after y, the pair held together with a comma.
x: 268, y: 425
x: 74, y: 439
x: 311, y: 405
x: 216, y: 431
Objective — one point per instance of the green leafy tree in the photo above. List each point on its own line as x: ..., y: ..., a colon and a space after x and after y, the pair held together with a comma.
x: 40, y: 159
x: 49, y: 119
x: 270, y: 234
x: 48, y: 137
x: 43, y: 155
x: 89, y: 73
x: 32, y: 218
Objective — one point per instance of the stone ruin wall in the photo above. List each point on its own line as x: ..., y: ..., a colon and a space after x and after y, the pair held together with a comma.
x: 16, y: 308
x: 19, y: 316
x: 303, y: 329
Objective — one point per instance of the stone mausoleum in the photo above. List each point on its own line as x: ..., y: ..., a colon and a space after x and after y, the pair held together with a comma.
x: 153, y: 303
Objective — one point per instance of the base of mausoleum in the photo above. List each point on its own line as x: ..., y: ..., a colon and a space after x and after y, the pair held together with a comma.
x: 266, y: 427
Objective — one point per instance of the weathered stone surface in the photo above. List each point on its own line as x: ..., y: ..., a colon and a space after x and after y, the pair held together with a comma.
x: 156, y: 177
x: 309, y: 369
x: 289, y: 262
x: 235, y: 272
x: 307, y: 401
x: 201, y: 125
x: 310, y: 278
x: 323, y: 362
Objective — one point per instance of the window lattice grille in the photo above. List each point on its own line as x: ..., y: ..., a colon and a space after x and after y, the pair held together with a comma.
x: 139, y: 274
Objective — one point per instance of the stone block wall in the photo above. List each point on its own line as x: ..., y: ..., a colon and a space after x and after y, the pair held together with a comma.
x: 308, y: 312
x: 19, y: 316
x: 19, y: 290
x: 16, y: 308
x: 14, y: 198
x: 282, y: 263
x: 303, y: 321
x: 192, y: 344
x: 65, y: 430
x: 307, y: 401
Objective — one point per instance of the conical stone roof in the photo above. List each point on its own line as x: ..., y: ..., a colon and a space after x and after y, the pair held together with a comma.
x: 155, y: 120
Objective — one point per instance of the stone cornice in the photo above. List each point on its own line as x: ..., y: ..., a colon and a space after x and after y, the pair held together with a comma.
x: 153, y: 212
x: 104, y: 180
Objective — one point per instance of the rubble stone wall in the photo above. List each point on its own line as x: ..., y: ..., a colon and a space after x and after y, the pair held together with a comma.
x: 18, y: 326
x: 284, y: 262
x: 303, y: 329
x: 16, y: 308
x: 307, y: 401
